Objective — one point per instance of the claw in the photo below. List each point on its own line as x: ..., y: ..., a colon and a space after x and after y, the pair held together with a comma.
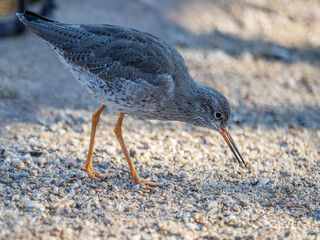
x: 148, y: 184
x: 93, y: 177
x: 93, y: 174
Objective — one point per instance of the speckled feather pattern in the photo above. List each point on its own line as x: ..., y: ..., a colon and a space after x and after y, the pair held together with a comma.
x: 132, y: 72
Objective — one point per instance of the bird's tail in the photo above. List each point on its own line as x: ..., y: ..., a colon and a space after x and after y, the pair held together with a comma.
x: 54, y: 32
x: 28, y: 16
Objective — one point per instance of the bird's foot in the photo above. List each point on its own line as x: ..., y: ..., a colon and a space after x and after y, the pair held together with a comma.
x: 148, y: 184
x: 93, y: 174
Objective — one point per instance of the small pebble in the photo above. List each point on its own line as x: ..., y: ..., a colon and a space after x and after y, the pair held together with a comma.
x: 33, y: 204
x: 132, y: 152
x: 184, y: 174
x: 2, y: 150
x: 179, y: 189
x: 15, y: 197
x: 73, y: 164
x: 23, y: 185
x: 212, y: 204
x: 262, y: 182
x: 17, y: 163
x: 191, y: 226
x: 81, y: 119
x: 135, y: 237
x: 41, y: 161
x: 72, y: 192
x: 41, y: 121
x: 4, y: 167
x: 136, y: 187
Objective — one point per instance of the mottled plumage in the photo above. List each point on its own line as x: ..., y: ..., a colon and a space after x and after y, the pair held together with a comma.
x: 133, y: 72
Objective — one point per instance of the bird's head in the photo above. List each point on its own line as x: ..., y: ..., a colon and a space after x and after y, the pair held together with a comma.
x: 215, y: 114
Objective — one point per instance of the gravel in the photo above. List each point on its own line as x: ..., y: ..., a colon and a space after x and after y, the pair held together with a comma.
x: 262, y: 182
x: 268, y: 71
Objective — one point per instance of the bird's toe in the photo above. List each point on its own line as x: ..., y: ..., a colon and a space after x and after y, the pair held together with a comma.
x: 146, y: 182
x: 93, y: 174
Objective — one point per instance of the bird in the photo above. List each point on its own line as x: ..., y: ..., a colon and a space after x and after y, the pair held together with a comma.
x: 134, y: 73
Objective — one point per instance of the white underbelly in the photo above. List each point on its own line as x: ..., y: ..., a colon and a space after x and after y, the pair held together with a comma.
x: 127, y: 98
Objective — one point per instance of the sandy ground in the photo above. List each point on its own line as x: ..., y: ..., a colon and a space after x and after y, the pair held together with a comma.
x: 263, y: 55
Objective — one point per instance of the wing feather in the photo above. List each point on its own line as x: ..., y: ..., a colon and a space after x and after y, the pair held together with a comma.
x: 110, y: 51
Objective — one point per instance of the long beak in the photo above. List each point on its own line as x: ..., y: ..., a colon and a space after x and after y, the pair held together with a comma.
x: 227, y: 137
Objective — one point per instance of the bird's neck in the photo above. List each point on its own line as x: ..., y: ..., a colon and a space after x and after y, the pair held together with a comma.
x: 187, y: 100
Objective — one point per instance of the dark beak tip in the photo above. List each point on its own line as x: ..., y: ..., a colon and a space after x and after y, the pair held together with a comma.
x: 227, y: 137
x: 244, y: 165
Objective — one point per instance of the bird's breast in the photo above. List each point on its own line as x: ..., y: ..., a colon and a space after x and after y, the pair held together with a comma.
x: 135, y: 97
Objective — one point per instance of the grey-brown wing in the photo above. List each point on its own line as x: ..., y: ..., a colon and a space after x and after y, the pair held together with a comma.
x: 109, y: 51
x: 121, y: 52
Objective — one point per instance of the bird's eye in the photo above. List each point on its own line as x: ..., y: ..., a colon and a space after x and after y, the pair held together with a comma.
x: 217, y: 115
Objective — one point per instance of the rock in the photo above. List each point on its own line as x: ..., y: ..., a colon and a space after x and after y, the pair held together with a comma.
x: 191, y: 226
x: 133, y: 152
x: 33, y: 204
x: 53, y: 127
x: 32, y: 142
x: 23, y: 185
x: 68, y: 233
x: 17, y: 163
x: 41, y: 121
x: 212, y: 204
x: 111, y: 150
x: 73, y: 164
x: 244, y: 203
x: 65, y: 118
x: 62, y: 204
x: 262, y: 182
x: 4, y: 167
x: 179, y: 189
x: 136, y: 187
x: 81, y: 119
x: 75, y: 185
x: 10, y: 154
x: 72, y: 192
x: 184, y: 175
x: 135, y: 237
x: 235, y: 208
x: 2, y: 150
x: 231, y: 219
x: 14, y: 176
x: 41, y: 161
x: 27, y: 159
x: 15, y: 197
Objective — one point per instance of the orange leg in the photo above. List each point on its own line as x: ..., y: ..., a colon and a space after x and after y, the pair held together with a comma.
x: 93, y: 174
x: 135, y: 177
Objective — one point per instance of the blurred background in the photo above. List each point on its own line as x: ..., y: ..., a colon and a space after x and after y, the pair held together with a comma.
x: 263, y: 55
